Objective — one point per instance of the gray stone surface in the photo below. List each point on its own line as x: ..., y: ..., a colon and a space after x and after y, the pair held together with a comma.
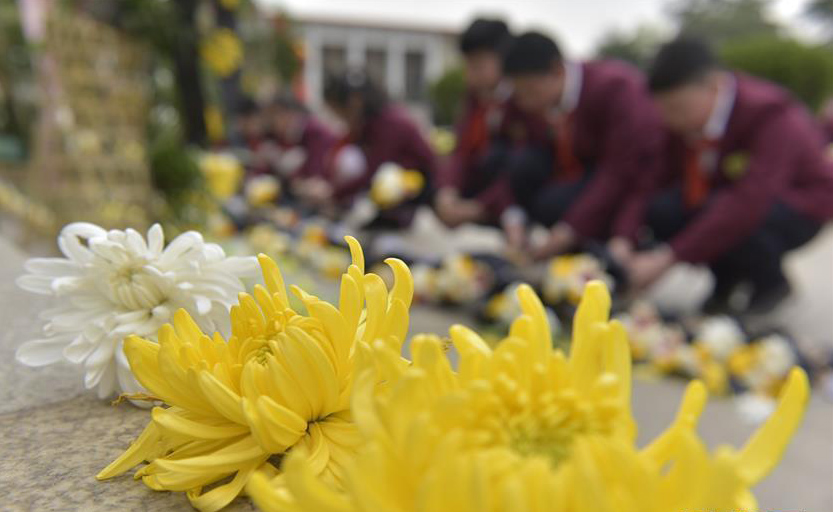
x: 54, y: 436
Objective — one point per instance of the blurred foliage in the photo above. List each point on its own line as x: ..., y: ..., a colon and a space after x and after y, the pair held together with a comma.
x: 746, y: 39
x: 717, y: 21
x: 169, y: 28
x: 821, y: 12
x: 447, y: 95
x: 173, y: 167
x: 636, y: 47
x: 806, y: 70
x: 287, y: 60
x: 16, y: 84
x: 722, y: 21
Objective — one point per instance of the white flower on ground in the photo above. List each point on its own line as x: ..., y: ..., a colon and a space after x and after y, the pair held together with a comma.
x: 721, y: 335
x: 111, y: 284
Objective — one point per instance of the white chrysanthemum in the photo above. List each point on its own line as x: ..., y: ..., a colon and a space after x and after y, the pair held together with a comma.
x: 721, y: 335
x: 111, y: 284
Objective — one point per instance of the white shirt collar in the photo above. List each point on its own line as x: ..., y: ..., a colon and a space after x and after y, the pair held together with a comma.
x: 573, y: 78
x: 719, y: 119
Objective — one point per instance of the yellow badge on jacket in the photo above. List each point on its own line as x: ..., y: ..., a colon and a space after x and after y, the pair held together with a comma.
x: 735, y: 165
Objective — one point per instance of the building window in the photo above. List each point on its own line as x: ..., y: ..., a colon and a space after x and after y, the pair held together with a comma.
x: 376, y: 61
x: 334, y: 59
x: 414, y: 76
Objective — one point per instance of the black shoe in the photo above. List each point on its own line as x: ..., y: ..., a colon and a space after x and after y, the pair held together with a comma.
x: 765, y: 299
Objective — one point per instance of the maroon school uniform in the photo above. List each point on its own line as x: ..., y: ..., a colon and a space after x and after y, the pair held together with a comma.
x: 481, y: 126
x: 613, y: 129
x: 770, y: 152
x: 390, y: 136
x: 317, y: 140
x: 827, y: 126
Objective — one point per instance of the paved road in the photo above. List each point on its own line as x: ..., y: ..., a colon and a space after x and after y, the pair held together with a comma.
x: 54, y: 436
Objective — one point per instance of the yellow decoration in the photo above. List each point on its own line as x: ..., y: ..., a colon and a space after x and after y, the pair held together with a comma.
x: 281, y: 382
x: 522, y: 427
x: 223, y: 173
x: 736, y: 165
x: 222, y: 52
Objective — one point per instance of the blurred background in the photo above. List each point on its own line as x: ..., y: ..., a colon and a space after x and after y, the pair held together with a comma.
x: 103, y: 103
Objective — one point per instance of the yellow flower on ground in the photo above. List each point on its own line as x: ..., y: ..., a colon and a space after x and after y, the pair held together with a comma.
x: 525, y: 428
x: 568, y: 274
x: 283, y: 380
x: 262, y: 190
x: 393, y: 185
x: 222, y: 172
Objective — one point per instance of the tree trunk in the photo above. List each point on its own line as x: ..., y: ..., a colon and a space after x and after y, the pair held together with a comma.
x: 186, y: 61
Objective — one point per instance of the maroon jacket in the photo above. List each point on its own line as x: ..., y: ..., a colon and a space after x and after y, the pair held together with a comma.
x: 317, y: 141
x: 479, y: 127
x: 772, y: 151
x: 827, y: 126
x: 390, y: 136
x: 616, y: 131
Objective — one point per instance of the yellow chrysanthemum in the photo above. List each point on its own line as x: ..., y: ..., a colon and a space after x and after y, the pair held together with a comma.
x: 262, y: 190
x: 568, y: 274
x: 282, y: 380
x: 523, y: 428
x: 222, y: 172
x: 393, y: 185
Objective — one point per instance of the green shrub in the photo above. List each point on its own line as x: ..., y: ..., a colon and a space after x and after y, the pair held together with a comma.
x: 447, y: 94
x: 805, y: 70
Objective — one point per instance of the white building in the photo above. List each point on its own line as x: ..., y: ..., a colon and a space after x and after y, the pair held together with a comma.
x: 405, y: 59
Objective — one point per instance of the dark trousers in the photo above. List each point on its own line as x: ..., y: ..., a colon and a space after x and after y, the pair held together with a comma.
x: 544, y: 201
x: 755, y: 260
x: 486, y: 170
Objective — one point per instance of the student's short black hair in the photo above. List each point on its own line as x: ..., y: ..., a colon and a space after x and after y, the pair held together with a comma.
x: 245, y: 107
x: 682, y: 61
x: 531, y: 52
x: 339, y: 88
x: 484, y: 34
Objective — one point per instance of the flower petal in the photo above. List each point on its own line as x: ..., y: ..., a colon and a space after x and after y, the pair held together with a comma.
x: 42, y: 352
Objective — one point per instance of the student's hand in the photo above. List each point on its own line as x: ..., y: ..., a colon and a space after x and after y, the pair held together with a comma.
x: 266, y: 155
x: 645, y: 268
x: 621, y: 249
x: 454, y: 210
x: 561, y: 239
x: 315, y: 191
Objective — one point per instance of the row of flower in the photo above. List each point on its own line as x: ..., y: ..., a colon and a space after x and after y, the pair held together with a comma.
x: 313, y: 407
x: 716, y: 350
